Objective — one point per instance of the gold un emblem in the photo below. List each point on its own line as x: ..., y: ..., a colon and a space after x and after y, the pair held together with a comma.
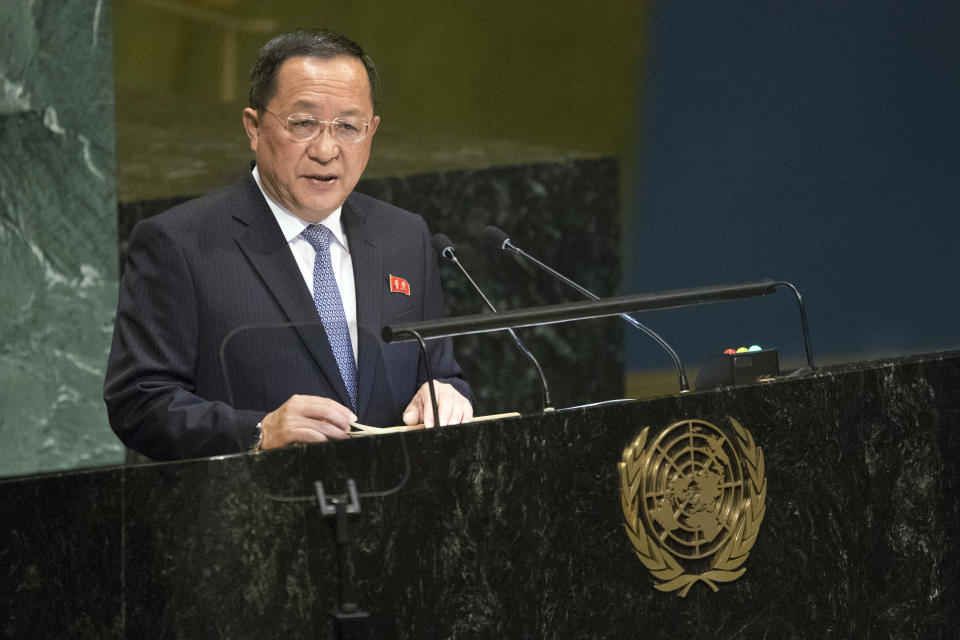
x: 693, y: 501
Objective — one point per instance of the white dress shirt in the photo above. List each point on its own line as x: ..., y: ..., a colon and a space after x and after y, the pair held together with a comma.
x: 304, y: 254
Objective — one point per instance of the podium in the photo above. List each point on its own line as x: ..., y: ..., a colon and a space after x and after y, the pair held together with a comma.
x: 515, y: 528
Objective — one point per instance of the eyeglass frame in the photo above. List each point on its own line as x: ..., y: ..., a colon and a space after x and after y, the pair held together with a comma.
x: 320, y: 130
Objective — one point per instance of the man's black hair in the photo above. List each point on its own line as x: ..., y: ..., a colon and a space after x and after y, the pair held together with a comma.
x: 313, y: 43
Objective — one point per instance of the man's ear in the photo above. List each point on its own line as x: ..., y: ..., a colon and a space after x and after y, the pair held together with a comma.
x: 373, y: 125
x: 251, y: 124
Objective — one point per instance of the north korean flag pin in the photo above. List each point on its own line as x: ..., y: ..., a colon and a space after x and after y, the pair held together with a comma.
x: 399, y: 285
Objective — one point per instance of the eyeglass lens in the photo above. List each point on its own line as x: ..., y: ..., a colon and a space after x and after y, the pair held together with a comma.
x: 306, y: 127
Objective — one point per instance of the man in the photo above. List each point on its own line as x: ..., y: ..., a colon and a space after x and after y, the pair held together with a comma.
x: 251, y: 317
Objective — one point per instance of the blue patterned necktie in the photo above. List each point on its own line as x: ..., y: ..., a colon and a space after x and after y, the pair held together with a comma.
x: 326, y: 297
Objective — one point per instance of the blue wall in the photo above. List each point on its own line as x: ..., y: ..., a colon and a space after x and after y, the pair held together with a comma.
x: 817, y: 142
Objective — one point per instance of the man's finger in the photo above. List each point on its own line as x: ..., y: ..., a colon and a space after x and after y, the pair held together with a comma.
x: 329, y: 410
x: 411, y: 415
x: 446, y: 407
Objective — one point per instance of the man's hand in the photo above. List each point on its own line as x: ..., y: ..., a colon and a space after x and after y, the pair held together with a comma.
x: 452, y: 406
x: 306, y: 419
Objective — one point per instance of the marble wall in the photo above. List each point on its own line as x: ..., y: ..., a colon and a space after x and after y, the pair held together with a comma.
x: 57, y: 234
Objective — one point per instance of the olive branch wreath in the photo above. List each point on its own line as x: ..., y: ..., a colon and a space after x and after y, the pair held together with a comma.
x: 725, y: 566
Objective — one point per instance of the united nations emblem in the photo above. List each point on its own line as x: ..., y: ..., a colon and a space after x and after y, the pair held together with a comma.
x: 693, y: 501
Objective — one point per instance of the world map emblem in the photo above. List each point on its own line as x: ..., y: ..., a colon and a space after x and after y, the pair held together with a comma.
x: 693, y: 499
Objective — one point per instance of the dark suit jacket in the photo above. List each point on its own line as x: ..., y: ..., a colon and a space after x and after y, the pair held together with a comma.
x: 215, y: 326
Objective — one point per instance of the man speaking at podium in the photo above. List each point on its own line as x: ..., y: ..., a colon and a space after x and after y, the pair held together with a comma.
x: 292, y: 273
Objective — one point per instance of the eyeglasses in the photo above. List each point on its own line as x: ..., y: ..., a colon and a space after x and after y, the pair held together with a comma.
x: 303, y: 127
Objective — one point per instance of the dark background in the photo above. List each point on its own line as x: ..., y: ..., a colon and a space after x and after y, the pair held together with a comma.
x: 815, y: 142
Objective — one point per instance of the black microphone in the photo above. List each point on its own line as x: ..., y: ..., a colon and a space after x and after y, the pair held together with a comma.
x: 495, y: 237
x: 444, y: 247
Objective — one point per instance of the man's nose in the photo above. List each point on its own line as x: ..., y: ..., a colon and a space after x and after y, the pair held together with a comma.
x: 325, y: 147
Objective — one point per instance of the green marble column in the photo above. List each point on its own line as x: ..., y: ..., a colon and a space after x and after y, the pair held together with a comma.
x: 58, y: 246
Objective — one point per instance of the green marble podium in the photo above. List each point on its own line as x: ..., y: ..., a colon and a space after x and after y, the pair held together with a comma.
x: 514, y: 529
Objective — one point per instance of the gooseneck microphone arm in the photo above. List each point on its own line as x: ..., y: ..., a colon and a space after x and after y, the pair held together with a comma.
x: 444, y: 247
x: 808, y: 350
x: 497, y: 238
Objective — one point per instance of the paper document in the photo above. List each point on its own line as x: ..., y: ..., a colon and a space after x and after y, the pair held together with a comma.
x: 364, y: 430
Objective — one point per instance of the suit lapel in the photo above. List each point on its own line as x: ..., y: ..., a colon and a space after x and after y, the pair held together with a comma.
x: 267, y: 250
x: 367, y: 262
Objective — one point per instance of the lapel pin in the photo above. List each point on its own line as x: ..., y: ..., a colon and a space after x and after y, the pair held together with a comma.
x: 399, y: 285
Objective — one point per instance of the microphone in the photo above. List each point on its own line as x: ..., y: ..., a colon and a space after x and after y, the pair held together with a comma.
x: 495, y: 237
x: 444, y: 247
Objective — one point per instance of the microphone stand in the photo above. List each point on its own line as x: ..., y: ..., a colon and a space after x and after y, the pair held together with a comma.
x: 430, y: 387
x: 505, y: 244
x: 448, y: 253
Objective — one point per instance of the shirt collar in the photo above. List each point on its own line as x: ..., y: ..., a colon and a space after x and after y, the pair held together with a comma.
x: 292, y: 226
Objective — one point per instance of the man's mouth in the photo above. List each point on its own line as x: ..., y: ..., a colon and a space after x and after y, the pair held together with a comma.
x: 322, y: 178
